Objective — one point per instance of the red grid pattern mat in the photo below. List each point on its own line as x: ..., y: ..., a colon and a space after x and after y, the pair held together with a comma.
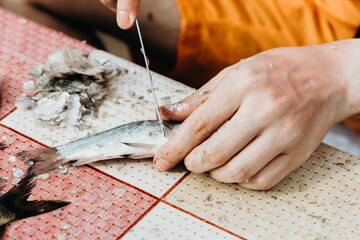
x: 17, y: 49
x: 12, y: 78
x: 100, y: 205
x: 32, y: 39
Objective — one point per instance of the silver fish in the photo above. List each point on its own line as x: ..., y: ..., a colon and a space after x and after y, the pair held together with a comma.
x: 15, y: 206
x: 139, y: 139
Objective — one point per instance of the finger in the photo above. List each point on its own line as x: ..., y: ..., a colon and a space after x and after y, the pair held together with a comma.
x: 181, y: 110
x: 126, y: 12
x: 251, y: 159
x: 110, y: 4
x: 219, y: 107
x: 224, y: 143
x: 274, y: 172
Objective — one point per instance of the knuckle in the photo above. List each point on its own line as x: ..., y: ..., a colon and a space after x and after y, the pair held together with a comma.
x: 170, y: 151
x: 276, y: 104
x: 252, y: 70
x: 215, y: 156
x: 291, y: 133
x: 279, y: 101
x: 200, y: 127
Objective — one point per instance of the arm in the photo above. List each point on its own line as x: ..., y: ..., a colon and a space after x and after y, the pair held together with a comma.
x: 263, y: 117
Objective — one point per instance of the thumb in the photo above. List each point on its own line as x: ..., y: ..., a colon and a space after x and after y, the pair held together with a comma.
x: 126, y: 12
x: 181, y: 110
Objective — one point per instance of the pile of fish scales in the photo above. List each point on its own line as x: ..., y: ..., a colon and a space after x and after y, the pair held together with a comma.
x: 68, y: 86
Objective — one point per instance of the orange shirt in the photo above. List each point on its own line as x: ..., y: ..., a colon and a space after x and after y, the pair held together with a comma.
x: 218, y: 33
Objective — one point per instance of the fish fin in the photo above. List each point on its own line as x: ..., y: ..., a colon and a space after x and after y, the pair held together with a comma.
x: 140, y: 145
x: 77, y: 163
x: 42, y: 160
x: 94, y: 159
x: 147, y: 150
x: 33, y: 208
x: 15, y: 200
x: 84, y: 161
x: 21, y: 191
x: 2, y: 185
x: 138, y: 155
x: 3, y: 146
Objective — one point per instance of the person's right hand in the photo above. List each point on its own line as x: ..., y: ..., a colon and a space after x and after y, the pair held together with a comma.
x: 126, y: 11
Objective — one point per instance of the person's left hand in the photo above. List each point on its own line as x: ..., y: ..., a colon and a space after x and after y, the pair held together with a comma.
x: 263, y: 117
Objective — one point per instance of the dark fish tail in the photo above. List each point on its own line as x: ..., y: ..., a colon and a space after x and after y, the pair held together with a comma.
x: 3, y: 146
x: 16, y: 201
x: 2, y: 230
x: 41, y: 160
x: 16, y: 205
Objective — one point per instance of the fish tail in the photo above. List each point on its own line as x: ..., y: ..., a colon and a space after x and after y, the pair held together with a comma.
x: 41, y: 160
x: 16, y: 200
x: 2, y: 230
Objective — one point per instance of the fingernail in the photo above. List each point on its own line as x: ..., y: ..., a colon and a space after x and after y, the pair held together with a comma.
x: 178, y: 107
x: 132, y: 18
x: 123, y: 19
x: 161, y: 164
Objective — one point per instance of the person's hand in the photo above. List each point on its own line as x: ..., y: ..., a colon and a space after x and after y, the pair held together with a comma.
x: 263, y: 117
x: 126, y: 11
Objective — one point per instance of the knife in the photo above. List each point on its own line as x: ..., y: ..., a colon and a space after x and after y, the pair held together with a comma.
x: 157, y: 109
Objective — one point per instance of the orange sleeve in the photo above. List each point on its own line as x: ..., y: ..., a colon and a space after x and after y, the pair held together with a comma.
x: 218, y: 33
x: 354, y: 124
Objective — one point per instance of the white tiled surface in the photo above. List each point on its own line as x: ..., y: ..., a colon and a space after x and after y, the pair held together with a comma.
x: 125, y: 105
x: 142, y: 174
x: 167, y: 223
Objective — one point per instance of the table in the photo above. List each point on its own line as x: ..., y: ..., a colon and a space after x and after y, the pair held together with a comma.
x: 130, y: 199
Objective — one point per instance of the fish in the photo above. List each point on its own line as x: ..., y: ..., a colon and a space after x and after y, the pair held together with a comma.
x: 3, y: 146
x: 15, y: 206
x: 135, y: 140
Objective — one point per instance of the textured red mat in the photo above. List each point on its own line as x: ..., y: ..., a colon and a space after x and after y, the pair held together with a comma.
x: 100, y: 205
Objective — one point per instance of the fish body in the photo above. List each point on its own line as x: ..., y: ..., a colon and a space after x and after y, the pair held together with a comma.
x: 15, y: 206
x: 139, y: 139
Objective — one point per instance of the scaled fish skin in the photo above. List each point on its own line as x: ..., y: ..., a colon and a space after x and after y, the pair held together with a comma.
x: 135, y: 140
x: 15, y: 206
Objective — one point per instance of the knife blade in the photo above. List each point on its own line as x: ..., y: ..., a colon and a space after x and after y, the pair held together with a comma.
x: 157, y: 109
